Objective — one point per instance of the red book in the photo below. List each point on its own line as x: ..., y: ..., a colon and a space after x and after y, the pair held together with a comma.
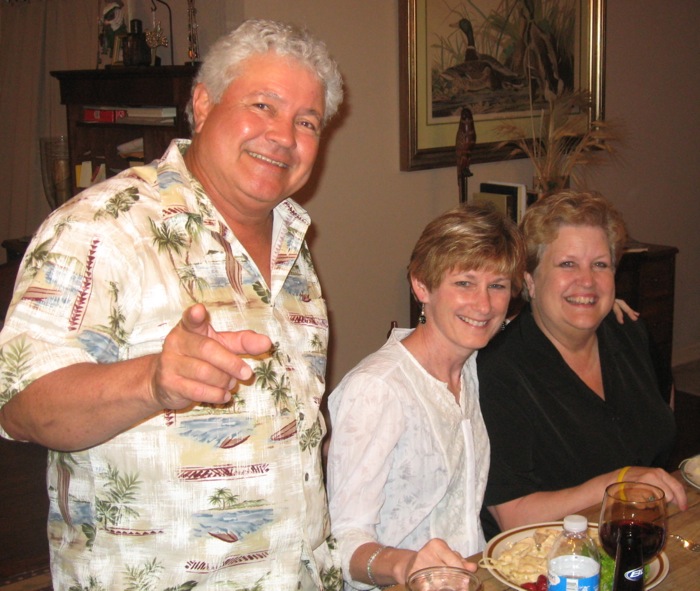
x: 102, y: 114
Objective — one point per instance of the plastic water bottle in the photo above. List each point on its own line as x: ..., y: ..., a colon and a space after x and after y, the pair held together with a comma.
x: 573, y: 563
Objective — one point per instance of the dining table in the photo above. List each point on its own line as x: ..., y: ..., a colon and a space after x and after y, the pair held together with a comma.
x: 684, y: 564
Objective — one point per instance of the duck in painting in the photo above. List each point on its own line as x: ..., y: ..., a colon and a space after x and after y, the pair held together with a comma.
x: 535, y: 55
x: 480, y: 71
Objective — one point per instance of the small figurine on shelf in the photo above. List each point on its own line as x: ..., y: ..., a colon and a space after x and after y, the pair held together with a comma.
x: 464, y: 143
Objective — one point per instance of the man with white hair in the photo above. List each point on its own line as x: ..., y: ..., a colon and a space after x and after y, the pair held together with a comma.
x: 167, y: 342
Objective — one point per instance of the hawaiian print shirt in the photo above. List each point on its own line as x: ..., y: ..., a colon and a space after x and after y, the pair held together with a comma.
x: 212, y: 497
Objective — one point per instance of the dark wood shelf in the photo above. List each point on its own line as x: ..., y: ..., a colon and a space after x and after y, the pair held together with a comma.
x: 122, y: 87
x: 119, y: 125
x: 135, y: 87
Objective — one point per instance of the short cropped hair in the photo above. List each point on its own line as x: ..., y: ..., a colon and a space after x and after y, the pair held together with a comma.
x: 468, y: 238
x: 541, y: 223
x: 221, y: 65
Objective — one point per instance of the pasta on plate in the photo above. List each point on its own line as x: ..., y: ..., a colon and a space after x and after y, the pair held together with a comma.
x: 526, y: 559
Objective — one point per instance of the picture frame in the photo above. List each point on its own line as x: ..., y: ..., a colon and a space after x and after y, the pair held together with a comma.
x: 430, y: 40
x: 118, y: 50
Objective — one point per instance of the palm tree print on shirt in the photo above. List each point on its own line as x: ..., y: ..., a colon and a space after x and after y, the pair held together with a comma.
x: 42, y: 252
x: 120, y: 202
x: 121, y: 492
x: 168, y: 238
x: 15, y: 362
x: 268, y: 378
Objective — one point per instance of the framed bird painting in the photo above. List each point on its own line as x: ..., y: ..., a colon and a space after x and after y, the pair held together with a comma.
x: 503, y: 59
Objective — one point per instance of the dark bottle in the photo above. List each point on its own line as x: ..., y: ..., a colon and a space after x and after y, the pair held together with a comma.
x: 136, y: 50
x: 629, y: 561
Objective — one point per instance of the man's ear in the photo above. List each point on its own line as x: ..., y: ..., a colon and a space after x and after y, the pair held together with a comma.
x: 201, y: 105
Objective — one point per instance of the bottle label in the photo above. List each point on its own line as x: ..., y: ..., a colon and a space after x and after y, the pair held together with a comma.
x: 574, y: 573
x: 557, y: 583
x: 635, y: 574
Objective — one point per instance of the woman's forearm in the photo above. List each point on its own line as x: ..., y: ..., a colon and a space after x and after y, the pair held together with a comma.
x: 388, y: 566
x: 551, y: 505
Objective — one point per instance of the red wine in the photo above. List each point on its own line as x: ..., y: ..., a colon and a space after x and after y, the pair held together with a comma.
x: 652, y: 536
x: 629, y: 563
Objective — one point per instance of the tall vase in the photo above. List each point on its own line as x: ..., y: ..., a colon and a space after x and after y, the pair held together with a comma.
x: 55, y: 169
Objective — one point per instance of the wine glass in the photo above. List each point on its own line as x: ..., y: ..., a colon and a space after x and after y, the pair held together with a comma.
x: 634, y: 509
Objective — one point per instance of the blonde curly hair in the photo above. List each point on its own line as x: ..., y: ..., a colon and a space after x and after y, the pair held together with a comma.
x: 540, y: 224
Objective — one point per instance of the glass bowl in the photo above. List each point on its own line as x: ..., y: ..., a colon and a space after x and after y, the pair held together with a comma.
x: 443, y: 578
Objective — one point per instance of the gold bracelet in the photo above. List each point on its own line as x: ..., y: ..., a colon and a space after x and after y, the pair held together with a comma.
x: 369, y: 565
x: 621, y: 475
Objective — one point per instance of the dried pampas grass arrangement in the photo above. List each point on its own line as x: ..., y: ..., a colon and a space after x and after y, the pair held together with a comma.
x: 561, y: 142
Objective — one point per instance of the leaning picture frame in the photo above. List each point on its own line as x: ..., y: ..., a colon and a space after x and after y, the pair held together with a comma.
x: 118, y: 50
x: 434, y: 48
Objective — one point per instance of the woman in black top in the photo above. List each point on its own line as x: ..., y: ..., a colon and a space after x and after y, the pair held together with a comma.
x: 570, y: 396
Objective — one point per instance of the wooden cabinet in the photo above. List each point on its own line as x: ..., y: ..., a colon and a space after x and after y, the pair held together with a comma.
x: 166, y: 86
x: 646, y: 281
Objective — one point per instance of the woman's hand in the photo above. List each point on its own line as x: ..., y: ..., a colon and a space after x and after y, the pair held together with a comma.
x: 437, y: 553
x: 673, y: 490
x: 621, y: 308
x: 393, y: 566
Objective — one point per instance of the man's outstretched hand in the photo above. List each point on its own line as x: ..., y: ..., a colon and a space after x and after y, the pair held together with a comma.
x: 199, y: 364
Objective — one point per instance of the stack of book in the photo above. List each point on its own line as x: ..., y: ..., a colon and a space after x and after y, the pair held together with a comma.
x: 130, y: 115
x: 103, y: 114
x: 150, y: 115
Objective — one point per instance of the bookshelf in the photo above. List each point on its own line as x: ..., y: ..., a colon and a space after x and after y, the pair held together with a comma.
x: 123, y: 87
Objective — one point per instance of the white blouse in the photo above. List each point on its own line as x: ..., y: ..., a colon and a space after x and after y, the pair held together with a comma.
x: 406, y: 464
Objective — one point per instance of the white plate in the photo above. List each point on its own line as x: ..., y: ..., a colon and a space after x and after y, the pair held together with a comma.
x: 690, y: 469
x: 658, y: 568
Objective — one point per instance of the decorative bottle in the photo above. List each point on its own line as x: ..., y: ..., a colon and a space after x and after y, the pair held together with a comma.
x: 136, y: 50
x: 573, y: 563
